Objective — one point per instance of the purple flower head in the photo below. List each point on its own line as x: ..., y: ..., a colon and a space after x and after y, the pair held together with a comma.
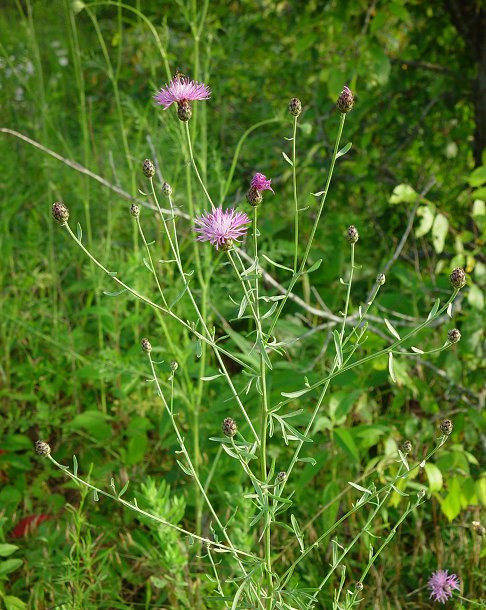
x: 260, y: 183
x: 182, y: 89
x: 221, y: 228
x: 442, y: 584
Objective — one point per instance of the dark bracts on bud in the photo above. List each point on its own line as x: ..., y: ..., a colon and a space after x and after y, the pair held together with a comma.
x: 458, y: 278
x: 148, y: 168
x: 352, y: 234
x: 184, y: 110
x: 227, y: 245
x: 454, y: 336
x: 446, y: 426
x: 166, y: 189
x: 380, y: 279
x: 146, y: 345
x: 406, y: 447
x: 42, y: 448
x: 60, y: 212
x: 229, y: 427
x: 254, y: 196
x: 345, y: 101
x: 135, y: 210
x: 295, y: 106
x: 282, y: 476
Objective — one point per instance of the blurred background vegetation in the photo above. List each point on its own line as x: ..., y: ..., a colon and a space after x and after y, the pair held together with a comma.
x: 78, y: 79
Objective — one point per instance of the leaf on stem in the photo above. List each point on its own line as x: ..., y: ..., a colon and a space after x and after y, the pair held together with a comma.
x: 297, y: 532
x: 315, y: 266
x: 392, y: 329
x: 185, y: 469
x: 79, y: 232
x: 390, y: 367
x: 148, y: 265
x: 417, y: 350
x: 295, y: 394
x: 115, y: 293
x: 123, y: 489
x: 95, y: 495
x: 307, y: 460
x: 289, y: 161
x: 339, y: 348
x: 449, y: 310
x: 272, y: 262
x: 434, y: 310
x: 75, y: 466
x: 344, y: 150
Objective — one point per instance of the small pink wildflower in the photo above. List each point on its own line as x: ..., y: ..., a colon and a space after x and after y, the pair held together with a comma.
x: 221, y: 228
x: 442, y: 584
x: 260, y: 183
x: 180, y: 90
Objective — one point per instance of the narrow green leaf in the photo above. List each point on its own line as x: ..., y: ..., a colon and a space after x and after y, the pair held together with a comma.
x: 185, y: 468
x: 123, y: 489
x: 75, y: 466
x: 115, y: 293
x: 315, y: 266
x: 95, y: 495
x: 391, y: 329
x: 79, y: 232
x: 344, y: 150
x: 338, y: 346
x: 390, y: 367
x: 272, y: 262
x: 434, y: 310
x: 307, y: 460
x: 289, y: 161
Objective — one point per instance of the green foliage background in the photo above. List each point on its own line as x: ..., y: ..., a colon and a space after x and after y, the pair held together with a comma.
x: 71, y: 370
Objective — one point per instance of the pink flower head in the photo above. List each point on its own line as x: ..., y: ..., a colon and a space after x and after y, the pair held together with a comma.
x: 221, y: 228
x: 260, y: 183
x: 182, y: 89
x: 442, y: 584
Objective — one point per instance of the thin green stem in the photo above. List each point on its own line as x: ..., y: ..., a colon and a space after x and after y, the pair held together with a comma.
x: 135, y: 508
x: 296, y: 204
x: 296, y: 276
x: 193, y: 162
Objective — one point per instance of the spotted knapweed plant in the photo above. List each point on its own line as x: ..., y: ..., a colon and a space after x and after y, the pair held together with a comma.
x: 252, y: 575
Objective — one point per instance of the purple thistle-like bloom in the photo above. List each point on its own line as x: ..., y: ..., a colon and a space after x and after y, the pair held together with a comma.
x: 221, y: 228
x: 260, y: 183
x: 182, y: 89
x: 442, y: 584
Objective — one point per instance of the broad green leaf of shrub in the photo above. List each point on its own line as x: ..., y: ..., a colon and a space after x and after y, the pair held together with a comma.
x: 439, y: 232
x: 345, y: 440
x: 481, y: 490
x: 426, y: 216
x: 475, y: 297
x: 434, y: 475
x: 478, y: 176
x: 403, y: 193
x: 451, y: 505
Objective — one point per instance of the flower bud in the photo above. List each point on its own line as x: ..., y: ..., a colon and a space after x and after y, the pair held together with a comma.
x: 406, y: 447
x: 184, y: 111
x: 345, y: 101
x: 458, y: 278
x: 135, y: 210
x: 352, y: 234
x: 148, y: 168
x: 421, y: 493
x: 281, y: 476
x: 60, y: 212
x: 295, y: 106
x: 358, y: 586
x: 454, y: 336
x: 254, y: 196
x: 146, y: 346
x: 479, y: 529
x: 229, y: 427
x: 446, y: 427
x: 42, y: 448
x: 166, y: 189
x: 380, y: 279
x: 174, y: 365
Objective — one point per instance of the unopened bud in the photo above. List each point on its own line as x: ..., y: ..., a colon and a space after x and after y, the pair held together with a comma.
x: 380, y: 279
x: 166, y: 189
x: 421, y: 493
x: 458, y: 278
x: 174, y: 365
x: 229, y: 427
x: 135, y: 210
x: 406, y: 447
x: 226, y: 245
x: 352, y: 234
x: 479, y: 529
x: 446, y: 427
x: 295, y: 106
x: 148, y: 168
x: 146, y: 346
x: 345, y: 101
x: 42, y: 448
x: 281, y: 476
x: 60, y: 212
x: 454, y: 336
x: 358, y: 586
